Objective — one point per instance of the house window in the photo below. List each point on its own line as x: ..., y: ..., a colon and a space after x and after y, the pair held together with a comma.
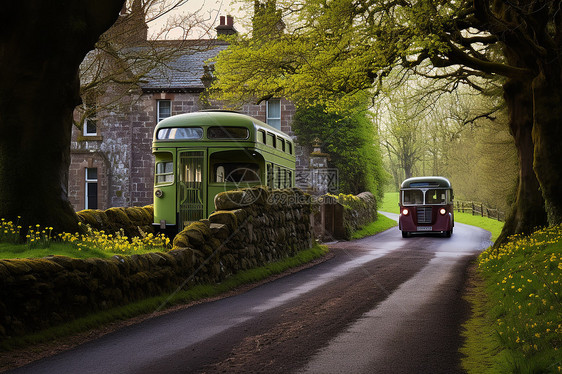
x: 90, y: 127
x: 164, y: 109
x: 273, y: 113
x: 91, y: 188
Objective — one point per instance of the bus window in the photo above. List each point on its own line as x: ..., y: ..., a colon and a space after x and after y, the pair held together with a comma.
x: 270, y: 175
x: 289, y: 180
x: 164, y: 172
x: 219, y: 132
x: 435, y: 197
x: 271, y: 139
x: 290, y: 148
x: 236, y: 172
x: 187, y: 133
x: 413, y: 197
x: 219, y: 174
x: 261, y: 137
x: 281, y: 143
x: 278, y: 179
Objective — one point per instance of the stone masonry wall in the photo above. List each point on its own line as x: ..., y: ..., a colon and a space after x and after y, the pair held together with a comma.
x: 359, y: 211
x: 249, y: 228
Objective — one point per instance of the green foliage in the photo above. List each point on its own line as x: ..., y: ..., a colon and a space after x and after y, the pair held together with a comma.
x: 522, y: 284
x: 352, y: 143
x: 329, y: 52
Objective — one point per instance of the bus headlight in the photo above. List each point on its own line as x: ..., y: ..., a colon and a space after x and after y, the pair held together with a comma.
x: 442, y: 211
x: 405, y: 212
x: 159, y: 193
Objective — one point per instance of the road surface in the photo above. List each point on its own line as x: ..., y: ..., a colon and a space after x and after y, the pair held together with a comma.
x: 382, y: 304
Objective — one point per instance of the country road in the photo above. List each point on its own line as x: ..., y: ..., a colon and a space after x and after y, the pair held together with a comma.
x: 382, y: 304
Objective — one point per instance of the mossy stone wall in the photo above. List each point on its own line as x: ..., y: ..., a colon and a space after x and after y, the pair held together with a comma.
x: 359, y: 210
x: 37, y: 293
x: 249, y: 228
x: 131, y: 220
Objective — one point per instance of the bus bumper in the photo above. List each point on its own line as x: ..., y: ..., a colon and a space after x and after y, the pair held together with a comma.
x: 441, y: 224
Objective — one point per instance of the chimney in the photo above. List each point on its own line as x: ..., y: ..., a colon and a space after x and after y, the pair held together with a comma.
x: 226, y: 26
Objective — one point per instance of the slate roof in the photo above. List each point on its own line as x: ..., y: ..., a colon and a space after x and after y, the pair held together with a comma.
x: 184, y: 71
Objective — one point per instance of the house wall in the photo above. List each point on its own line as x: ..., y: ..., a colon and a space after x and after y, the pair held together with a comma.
x: 258, y: 111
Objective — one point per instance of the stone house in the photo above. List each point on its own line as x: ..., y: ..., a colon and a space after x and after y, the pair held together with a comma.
x: 111, y: 157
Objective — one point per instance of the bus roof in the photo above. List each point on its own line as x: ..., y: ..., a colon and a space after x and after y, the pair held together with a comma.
x: 419, y: 182
x: 216, y: 118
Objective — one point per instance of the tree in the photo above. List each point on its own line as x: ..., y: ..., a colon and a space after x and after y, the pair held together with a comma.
x: 402, y: 124
x: 41, y: 47
x: 335, y: 49
x: 460, y: 135
x: 351, y: 142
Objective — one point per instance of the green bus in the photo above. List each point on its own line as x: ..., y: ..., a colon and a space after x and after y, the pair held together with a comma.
x: 200, y: 154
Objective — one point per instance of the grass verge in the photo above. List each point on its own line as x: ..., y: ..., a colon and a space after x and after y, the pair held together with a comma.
x: 495, y: 227
x: 516, y: 324
x: 381, y: 224
x: 9, y: 251
x: 153, y: 304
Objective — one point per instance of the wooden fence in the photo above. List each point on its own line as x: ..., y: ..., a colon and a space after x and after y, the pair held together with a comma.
x: 479, y: 209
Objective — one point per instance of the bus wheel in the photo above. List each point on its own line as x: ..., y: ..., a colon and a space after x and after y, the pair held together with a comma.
x: 448, y: 233
x: 405, y: 234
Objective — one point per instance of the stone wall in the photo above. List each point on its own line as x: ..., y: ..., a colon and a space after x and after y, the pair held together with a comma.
x: 337, y: 217
x: 359, y: 211
x: 249, y: 228
x: 133, y: 221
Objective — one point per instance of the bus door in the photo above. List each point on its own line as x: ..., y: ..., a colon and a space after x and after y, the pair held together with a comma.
x: 192, y: 194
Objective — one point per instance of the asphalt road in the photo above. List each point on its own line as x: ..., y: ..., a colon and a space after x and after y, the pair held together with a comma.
x: 382, y: 304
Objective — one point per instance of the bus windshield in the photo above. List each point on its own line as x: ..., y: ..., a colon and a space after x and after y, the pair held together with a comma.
x: 436, y: 197
x: 413, y: 197
x: 188, y: 133
x: 432, y: 196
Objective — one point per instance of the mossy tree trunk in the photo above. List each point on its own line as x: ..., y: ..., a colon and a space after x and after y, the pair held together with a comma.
x: 547, y: 137
x: 41, y: 47
x: 528, y: 211
x: 534, y: 99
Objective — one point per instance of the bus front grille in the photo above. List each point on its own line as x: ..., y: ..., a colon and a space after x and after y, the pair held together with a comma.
x: 424, y: 215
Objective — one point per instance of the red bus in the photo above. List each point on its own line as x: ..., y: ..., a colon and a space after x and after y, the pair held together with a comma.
x: 426, y: 206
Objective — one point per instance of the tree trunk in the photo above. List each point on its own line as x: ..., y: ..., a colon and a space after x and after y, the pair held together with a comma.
x: 547, y: 135
x: 35, y: 152
x: 41, y: 47
x: 527, y: 212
